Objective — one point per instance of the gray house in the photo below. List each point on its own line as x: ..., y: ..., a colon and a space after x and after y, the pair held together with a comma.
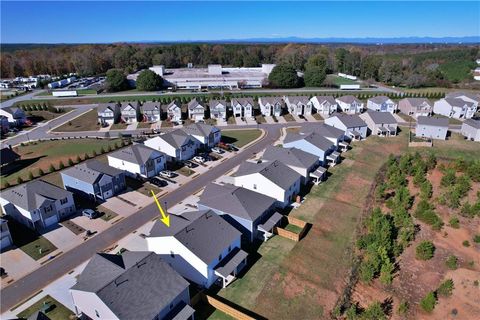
x: 471, y: 129
x: 314, y: 143
x: 206, y: 135
x: 107, y: 113
x: 333, y: 134
x: 133, y: 285
x: 94, y: 179
x: 242, y: 208
x: 415, y: 107
x: 37, y: 204
x: 151, y: 111
x: 432, y: 127
x: 380, y: 123
x: 352, y: 125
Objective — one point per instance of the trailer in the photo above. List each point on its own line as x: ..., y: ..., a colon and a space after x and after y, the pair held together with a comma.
x: 65, y: 93
x: 349, y: 87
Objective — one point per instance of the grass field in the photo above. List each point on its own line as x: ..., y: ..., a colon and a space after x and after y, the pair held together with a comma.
x: 339, y: 80
x: 144, y: 125
x: 240, y: 137
x: 57, y: 311
x: 86, y: 122
x: 43, y: 115
x: 29, y: 241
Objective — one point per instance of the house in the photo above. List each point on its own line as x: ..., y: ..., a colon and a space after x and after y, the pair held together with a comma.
x: 324, y: 104
x: 469, y: 97
x: 138, y: 160
x: 151, y: 111
x: 432, y: 127
x: 107, y: 113
x: 315, y: 144
x: 298, y: 105
x: 271, y: 178
x: 242, y: 208
x: 335, y: 135
x: 177, y: 144
x: 415, y: 107
x: 15, y: 115
x: 301, y: 161
x: 129, y: 112
x: 4, y: 125
x: 133, y: 285
x: 37, y: 204
x: 455, y: 108
x: 94, y: 179
x: 242, y: 107
x: 352, y: 125
x: 7, y: 156
x: 5, y: 236
x: 350, y: 104
x: 380, y: 123
x: 270, y: 106
x: 218, y: 109
x: 174, y: 111
x: 196, y: 111
x: 206, y: 135
x: 382, y: 104
x: 471, y: 129
x: 201, y: 246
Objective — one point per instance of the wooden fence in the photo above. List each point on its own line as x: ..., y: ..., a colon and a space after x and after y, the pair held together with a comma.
x: 289, y: 234
x: 225, y: 306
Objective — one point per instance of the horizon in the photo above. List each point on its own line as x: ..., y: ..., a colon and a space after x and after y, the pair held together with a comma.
x: 115, y: 22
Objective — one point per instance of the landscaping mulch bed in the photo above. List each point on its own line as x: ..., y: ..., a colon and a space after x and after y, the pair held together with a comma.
x: 72, y: 226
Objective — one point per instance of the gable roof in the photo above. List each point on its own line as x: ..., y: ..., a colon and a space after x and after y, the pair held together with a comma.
x: 432, y: 121
x: 381, y: 117
x: 200, y: 129
x: 7, y: 155
x: 326, y: 131
x: 350, y: 120
x: 290, y: 156
x: 459, y: 95
x: 417, y: 102
x: 174, y: 103
x: 236, y: 201
x: 90, y: 171
x: 193, y: 104
x: 322, y: 99
x: 473, y: 123
x: 203, y: 232
x: 275, y: 171
x: 213, y: 104
x: 176, y: 138
x: 242, y: 101
x: 150, y: 106
x: 312, y: 137
x: 270, y: 100
x: 349, y: 99
x: 297, y: 99
x: 130, y: 285
x: 131, y: 104
x: 457, y: 102
x: 137, y: 153
x: 379, y: 99
x: 102, y: 107
x: 33, y: 194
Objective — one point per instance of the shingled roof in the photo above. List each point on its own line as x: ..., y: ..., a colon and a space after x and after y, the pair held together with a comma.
x: 381, y: 117
x: 7, y: 155
x: 137, y: 153
x: 313, y: 138
x: 242, y: 101
x: 91, y: 170
x: 200, y: 129
x: 290, y: 156
x: 432, y: 121
x: 350, y: 120
x: 275, y: 171
x: 349, y: 99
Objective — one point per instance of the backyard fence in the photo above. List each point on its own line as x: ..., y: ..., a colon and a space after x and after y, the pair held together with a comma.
x: 289, y: 234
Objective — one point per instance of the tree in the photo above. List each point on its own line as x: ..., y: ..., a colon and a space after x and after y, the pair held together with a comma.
x: 19, y: 180
x: 374, y: 312
x: 61, y: 165
x: 70, y: 162
x: 425, y: 250
x: 51, y: 168
x: 451, y: 262
x: 149, y: 81
x: 428, y: 302
x: 78, y: 159
x: 284, y: 76
x: 40, y: 172
x: 116, y: 80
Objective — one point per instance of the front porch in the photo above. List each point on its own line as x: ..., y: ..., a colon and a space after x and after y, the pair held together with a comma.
x: 230, y: 266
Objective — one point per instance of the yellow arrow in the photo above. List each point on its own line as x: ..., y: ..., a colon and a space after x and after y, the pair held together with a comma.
x: 165, y: 219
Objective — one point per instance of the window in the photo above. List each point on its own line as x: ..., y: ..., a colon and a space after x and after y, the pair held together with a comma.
x: 172, y: 255
x: 63, y: 201
x: 255, y: 186
x: 229, y: 248
x: 220, y: 257
x: 171, y: 306
x: 97, y: 314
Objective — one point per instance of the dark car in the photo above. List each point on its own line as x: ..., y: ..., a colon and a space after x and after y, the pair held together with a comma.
x: 158, y: 182
x: 89, y: 213
x: 190, y: 164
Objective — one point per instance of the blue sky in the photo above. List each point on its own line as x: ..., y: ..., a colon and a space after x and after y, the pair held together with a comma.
x: 79, y: 22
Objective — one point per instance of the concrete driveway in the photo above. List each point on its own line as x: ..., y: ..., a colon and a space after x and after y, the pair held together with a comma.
x: 310, y: 118
x: 63, y: 238
x: 297, y: 118
x: 222, y: 123
x: 98, y: 224
x: 269, y: 119
x: 281, y: 119
x: 17, y: 264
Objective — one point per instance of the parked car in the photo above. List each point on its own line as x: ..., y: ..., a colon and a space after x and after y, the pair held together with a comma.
x: 199, y: 159
x: 158, y: 182
x: 167, y: 174
x: 190, y: 164
x: 89, y: 213
x: 232, y: 146
x: 217, y: 150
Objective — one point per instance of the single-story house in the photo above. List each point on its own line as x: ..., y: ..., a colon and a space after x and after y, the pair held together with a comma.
x: 380, y: 123
x: 350, y: 104
x: 218, y: 109
x: 382, y: 104
x: 206, y: 135
x: 298, y: 105
x: 201, y: 246
x: 7, y: 156
x: 271, y: 178
x: 151, y: 111
x: 432, y: 127
x: 37, y: 204
x: 177, y: 144
x: 133, y: 285
x: 174, y: 111
x: 94, y: 179
x: 242, y: 107
x: 107, y: 112
x: 138, y: 160
x: 15, y: 115
x: 242, y: 208
x: 352, y: 125
x: 5, y: 236
x: 455, y: 108
x: 471, y: 129
x: 415, y: 107
x: 271, y: 106
x: 315, y: 144
x: 324, y: 104
x: 196, y: 111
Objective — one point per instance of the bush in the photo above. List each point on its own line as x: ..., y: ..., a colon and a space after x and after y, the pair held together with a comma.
x: 19, y: 180
x: 78, y: 159
x: 374, y: 312
x: 6, y: 184
x: 40, y: 172
x: 425, y: 213
x: 86, y: 156
x: 428, y: 302
x: 445, y: 289
x: 466, y: 243
x: 403, y: 308
x: 426, y: 190
x: 70, y: 162
x: 61, y: 165
x: 425, y: 250
x: 451, y: 262
x: 30, y: 175
x: 454, y: 223
x: 476, y: 238
x: 448, y: 178
x: 51, y: 168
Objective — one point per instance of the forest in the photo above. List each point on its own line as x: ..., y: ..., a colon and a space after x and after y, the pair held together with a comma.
x: 418, y: 65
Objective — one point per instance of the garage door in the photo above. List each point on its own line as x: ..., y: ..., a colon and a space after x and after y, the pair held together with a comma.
x: 4, y: 242
x: 51, y: 220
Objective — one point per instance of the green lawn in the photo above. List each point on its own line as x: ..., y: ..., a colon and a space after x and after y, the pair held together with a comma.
x: 293, y: 228
x: 288, y: 117
x: 407, y: 118
x: 119, y: 126
x: 240, y: 137
x: 55, y: 311
x: 86, y: 122
x: 339, y: 80
x: 29, y: 241
x: 144, y: 125
x: 260, y: 119
x: 185, y: 171
x: 44, y: 115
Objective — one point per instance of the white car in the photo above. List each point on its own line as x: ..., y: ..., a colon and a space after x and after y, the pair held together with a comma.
x: 217, y: 150
x: 199, y: 159
x: 166, y: 173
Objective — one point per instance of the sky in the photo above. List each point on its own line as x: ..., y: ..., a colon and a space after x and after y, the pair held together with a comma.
x: 100, y: 22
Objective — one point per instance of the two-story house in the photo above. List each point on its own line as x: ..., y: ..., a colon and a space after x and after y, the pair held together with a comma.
x: 350, y: 104
x: 315, y: 144
x: 138, y: 160
x: 174, y: 111
x: 323, y: 104
x: 379, y: 123
x: 206, y: 135
x: 37, y: 204
x: 218, y: 109
x: 176, y: 144
x: 382, y: 104
x: 471, y: 129
x: 454, y: 108
x: 151, y: 111
x: 415, y: 107
x: 196, y: 111
x: 432, y: 128
x: 242, y: 107
x: 271, y: 106
x: 298, y: 105
x: 107, y: 113
x: 352, y: 125
x: 130, y: 112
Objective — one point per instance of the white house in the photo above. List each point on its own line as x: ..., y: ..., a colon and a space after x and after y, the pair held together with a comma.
x: 298, y: 105
x: 469, y: 97
x: 350, y: 104
x: 201, y: 246
x: 5, y: 236
x: 174, y: 111
x: 353, y: 126
x: 218, y: 109
x: 242, y: 107
x: 324, y: 104
x: 271, y: 106
x: 138, y: 160
x: 454, y: 108
x: 196, y: 111
x: 133, y: 285
x: 176, y: 144
x: 271, y: 178
x: 15, y: 115
x: 432, y: 127
x: 471, y: 129
x: 380, y: 123
x: 106, y: 113
x: 37, y: 204
x: 151, y: 111
x: 205, y: 135
x: 129, y: 111
x: 382, y: 104
x: 315, y: 144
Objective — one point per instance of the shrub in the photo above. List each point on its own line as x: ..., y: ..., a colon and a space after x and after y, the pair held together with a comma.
x: 78, y: 159
x: 403, y: 308
x: 425, y: 213
x: 425, y: 250
x: 94, y: 153
x: 30, y: 175
x: 19, y: 180
x: 451, y: 262
x: 51, y: 168
x: 61, y: 165
x: 476, y: 238
x: 40, y: 172
x: 86, y: 156
x: 102, y: 150
x: 374, y: 312
x: 475, y: 283
x: 70, y: 162
x: 426, y: 190
x: 448, y: 179
x: 428, y: 302
x: 466, y: 243
x: 6, y: 184
x: 445, y: 289
x: 454, y: 223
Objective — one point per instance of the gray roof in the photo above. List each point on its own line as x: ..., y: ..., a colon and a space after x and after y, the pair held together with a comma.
x: 473, y: 123
x: 274, y: 171
x: 236, y: 201
x: 137, y: 153
x: 458, y: 95
x: 150, y: 106
x: 298, y: 99
x: 457, y: 102
x: 90, y: 171
x: 290, y: 156
x: 350, y: 120
x: 200, y: 129
x: 327, y: 131
x: 381, y: 117
x: 433, y: 121
x: 174, y: 102
x: 349, y: 99
x: 417, y: 102
x: 104, y: 106
x: 134, y: 285
x: 271, y: 100
x: 176, y: 138
x: 313, y: 138
x: 203, y: 232
x: 379, y: 99
x: 193, y: 104
x: 12, y: 110
x: 231, y: 261
x: 33, y: 194
x: 132, y: 104
x: 329, y: 99
x: 242, y: 101
x: 213, y: 104
x: 7, y: 155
